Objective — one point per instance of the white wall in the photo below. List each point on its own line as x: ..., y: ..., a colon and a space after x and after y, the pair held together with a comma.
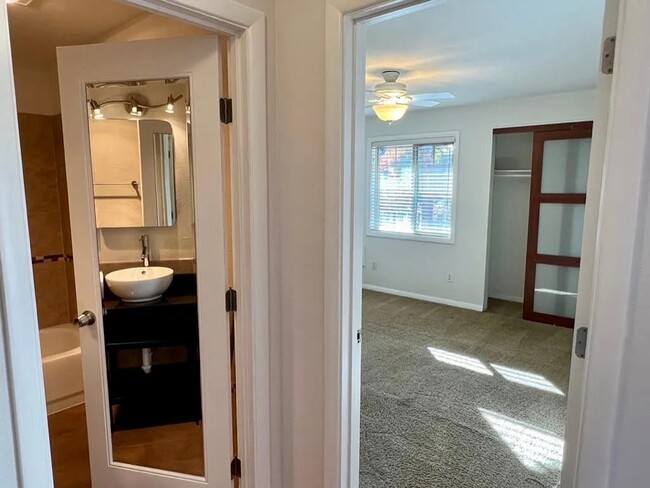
x: 509, y: 221
x: 421, y: 268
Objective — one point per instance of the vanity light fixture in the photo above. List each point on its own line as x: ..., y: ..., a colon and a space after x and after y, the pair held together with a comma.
x: 135, y: 105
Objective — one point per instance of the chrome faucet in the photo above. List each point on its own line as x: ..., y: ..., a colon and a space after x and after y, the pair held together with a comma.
x: 146, y: 254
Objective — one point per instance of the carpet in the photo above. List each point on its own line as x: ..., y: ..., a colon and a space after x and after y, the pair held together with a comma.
x: 452, y: 398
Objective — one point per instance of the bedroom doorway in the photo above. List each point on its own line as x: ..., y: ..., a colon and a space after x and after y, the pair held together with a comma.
x: 423, y: 337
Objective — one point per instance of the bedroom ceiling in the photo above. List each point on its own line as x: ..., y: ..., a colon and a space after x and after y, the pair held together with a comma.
x: 484, y: 50
x: 37, y: 29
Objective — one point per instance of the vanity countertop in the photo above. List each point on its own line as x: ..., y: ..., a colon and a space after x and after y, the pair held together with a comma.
x: 170, y: 320
x: 182, y: 291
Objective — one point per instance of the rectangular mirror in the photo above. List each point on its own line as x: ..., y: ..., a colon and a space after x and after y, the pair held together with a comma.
x: 142, y: 177
x: 133, y: 153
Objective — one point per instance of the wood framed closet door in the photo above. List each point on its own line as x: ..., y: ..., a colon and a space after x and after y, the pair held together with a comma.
x: 558, y: 194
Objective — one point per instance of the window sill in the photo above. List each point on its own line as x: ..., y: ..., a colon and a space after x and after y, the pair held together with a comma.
x: 410, y: 237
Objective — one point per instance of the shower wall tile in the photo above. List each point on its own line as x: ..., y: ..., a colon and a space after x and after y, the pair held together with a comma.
x: 36, y: 141
x: 45, y: 233
x: 59, y: 155
x: 71, y: 290
x: 41, y: 188
x: 41, y: 144
x: 50, y: 283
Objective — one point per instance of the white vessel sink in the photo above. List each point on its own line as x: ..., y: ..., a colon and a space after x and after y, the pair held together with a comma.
x: 140, y: 284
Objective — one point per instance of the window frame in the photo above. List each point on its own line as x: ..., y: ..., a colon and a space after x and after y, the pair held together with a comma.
x: 424, y: 138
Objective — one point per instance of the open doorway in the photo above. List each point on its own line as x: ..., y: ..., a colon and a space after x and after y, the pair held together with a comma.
x: 167, y: 434
x: 458, y: 389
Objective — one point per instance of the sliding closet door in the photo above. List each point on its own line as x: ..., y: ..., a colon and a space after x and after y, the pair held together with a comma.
x: 557, y: 208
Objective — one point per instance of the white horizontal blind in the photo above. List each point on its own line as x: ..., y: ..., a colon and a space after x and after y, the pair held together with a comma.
x: 411, y: 188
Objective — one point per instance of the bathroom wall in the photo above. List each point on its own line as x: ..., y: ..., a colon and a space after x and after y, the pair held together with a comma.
x: 115, y: 149
x: 41, y: 141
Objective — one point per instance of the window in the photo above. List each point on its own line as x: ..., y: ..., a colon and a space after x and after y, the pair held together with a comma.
x: 412, y: 188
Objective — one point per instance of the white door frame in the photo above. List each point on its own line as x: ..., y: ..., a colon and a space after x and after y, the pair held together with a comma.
x: 24, y: 441
x: 627, y: 139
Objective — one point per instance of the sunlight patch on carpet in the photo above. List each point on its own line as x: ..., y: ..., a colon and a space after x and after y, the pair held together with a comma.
x: 460, y: 360
x: 537, y: 449
x: 528, y: 379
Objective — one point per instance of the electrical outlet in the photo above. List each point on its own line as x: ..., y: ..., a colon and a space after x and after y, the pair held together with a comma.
x: 374, y: 265
x: 450, y: 278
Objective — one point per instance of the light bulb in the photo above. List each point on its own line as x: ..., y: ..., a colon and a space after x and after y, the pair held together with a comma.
x: 95, y: 110
x: 135, y: 110
x: 170, y: 105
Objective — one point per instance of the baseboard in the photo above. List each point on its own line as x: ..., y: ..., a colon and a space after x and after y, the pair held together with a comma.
x: 507, y: 298
x: 425, y: 298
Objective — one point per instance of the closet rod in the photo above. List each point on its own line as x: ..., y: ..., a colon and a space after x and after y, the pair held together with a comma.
x: 512, y: 173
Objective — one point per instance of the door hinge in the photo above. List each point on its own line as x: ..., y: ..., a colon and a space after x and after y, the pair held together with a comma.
x: 231, y: 300
x: 581, y: 342
x: 359, y: 336
x: 225, y: 110
x: 235, y: 468
x: 607, y: 57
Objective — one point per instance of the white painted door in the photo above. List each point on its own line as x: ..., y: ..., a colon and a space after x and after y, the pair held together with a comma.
x: 583, y: 317
x: 197, y: 62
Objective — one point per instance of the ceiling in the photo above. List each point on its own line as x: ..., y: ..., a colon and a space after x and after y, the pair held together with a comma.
x: 483, y: 50
x: 37, y: 29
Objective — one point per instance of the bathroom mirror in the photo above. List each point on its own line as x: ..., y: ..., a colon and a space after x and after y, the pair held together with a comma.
x: 132, y: 144
x: 142, y: 177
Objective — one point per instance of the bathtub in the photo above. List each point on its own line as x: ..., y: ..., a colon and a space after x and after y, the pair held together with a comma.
x: 61, y: 367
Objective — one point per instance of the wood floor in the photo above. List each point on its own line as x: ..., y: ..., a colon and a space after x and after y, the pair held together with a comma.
x: 69, y: 446
x: 177, y: 447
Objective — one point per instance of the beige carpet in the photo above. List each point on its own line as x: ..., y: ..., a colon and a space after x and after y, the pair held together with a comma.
x: 458, y: 399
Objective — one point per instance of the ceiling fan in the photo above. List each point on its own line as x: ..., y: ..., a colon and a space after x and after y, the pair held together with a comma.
x: 391, y: 99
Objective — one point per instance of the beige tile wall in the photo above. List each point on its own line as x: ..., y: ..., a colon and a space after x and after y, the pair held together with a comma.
x: 41, y: 141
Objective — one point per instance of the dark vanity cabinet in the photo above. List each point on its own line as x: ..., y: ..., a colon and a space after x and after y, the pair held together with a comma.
x: 170, y: 392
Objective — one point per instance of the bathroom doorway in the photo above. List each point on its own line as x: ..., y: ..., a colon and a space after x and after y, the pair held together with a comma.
x: 143, y: 186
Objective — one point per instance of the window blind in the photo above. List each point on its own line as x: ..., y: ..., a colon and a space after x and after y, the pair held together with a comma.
x: 411, y: 188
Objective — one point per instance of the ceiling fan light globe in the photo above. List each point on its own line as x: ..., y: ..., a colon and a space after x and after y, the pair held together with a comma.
x: 390, y: 112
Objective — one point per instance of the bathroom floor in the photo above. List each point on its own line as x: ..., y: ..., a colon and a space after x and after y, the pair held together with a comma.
x: 175, y: 447
x: 69, y: 446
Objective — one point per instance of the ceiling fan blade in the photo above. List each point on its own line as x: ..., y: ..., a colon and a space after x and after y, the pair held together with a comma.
x: 424, y: 103
x: 433, y: 96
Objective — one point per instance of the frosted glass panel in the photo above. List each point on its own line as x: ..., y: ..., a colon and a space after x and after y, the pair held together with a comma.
x: 565, y: 167
x: 560, y: 229
x: 556, y: 290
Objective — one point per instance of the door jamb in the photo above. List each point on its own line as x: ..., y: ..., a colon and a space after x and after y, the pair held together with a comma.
x: 24, y: 434
x: 344, y: 173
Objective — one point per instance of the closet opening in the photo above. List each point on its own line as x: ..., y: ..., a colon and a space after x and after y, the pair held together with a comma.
x: 539, y: 185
